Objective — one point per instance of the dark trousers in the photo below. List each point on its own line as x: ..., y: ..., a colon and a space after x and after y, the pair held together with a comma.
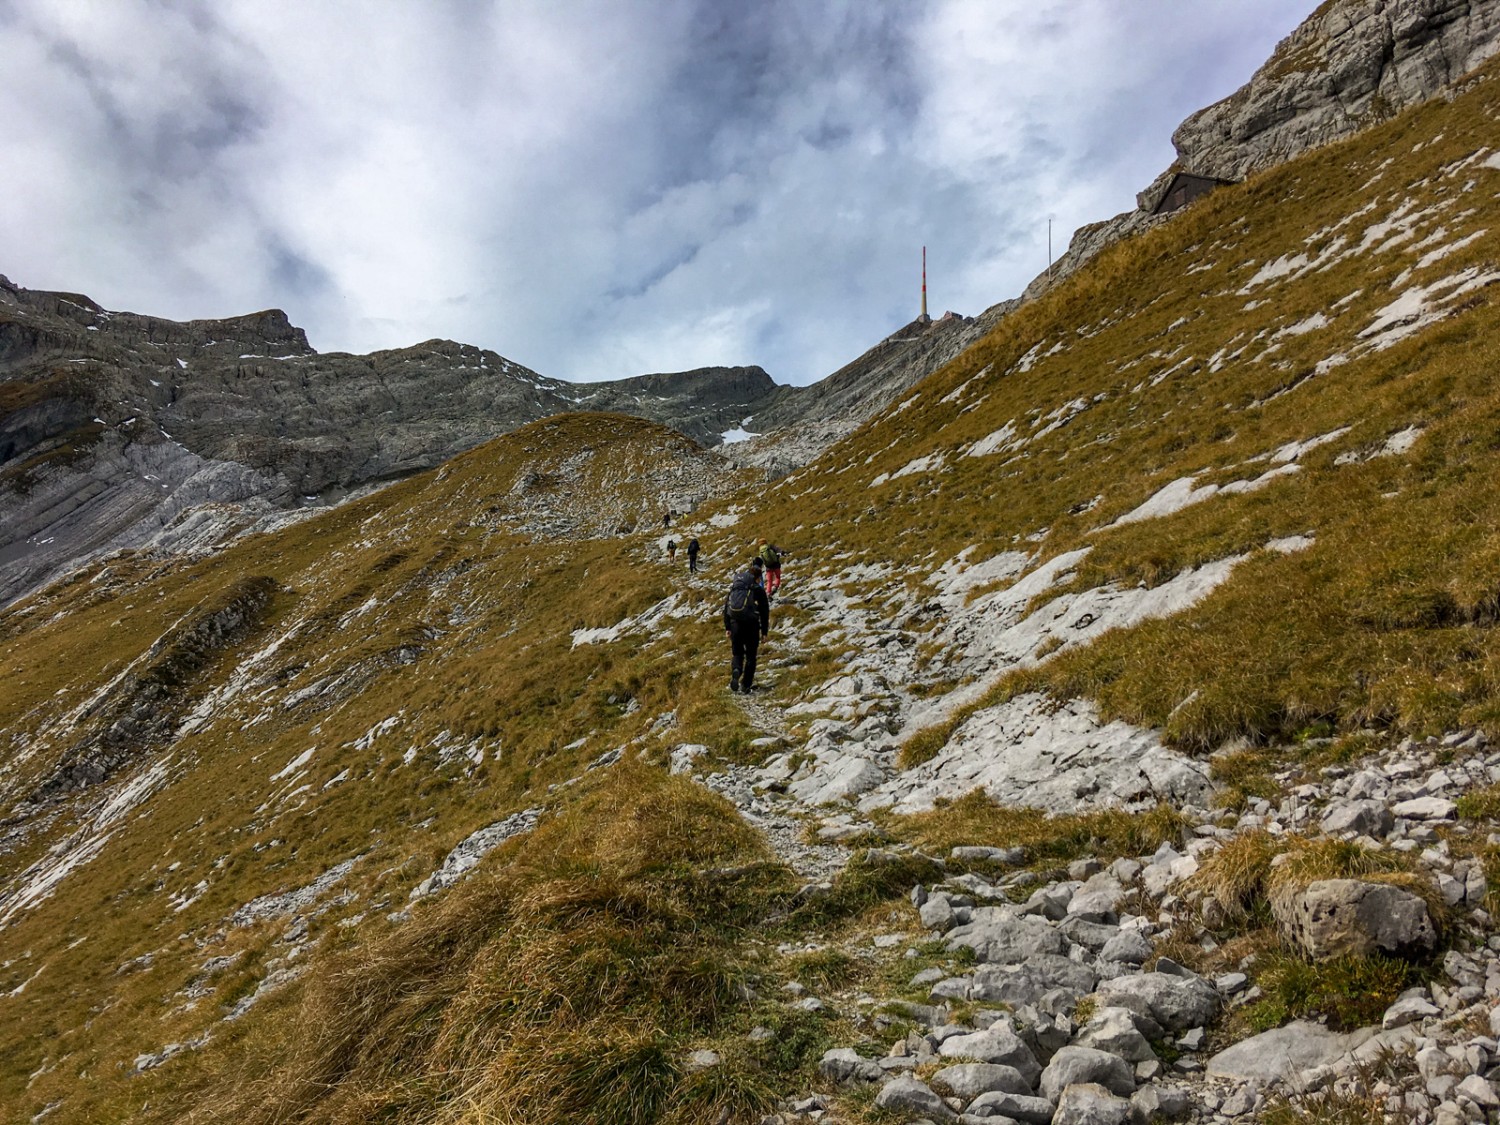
x: 744, y: 643
x: 692, y: 561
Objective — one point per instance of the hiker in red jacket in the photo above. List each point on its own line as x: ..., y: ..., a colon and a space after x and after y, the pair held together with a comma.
x: 770, y: 555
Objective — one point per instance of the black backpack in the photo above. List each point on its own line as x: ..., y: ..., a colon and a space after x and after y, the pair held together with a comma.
x: 742, y: 600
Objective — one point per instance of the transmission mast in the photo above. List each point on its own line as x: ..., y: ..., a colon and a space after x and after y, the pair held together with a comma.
x: 924, y: 318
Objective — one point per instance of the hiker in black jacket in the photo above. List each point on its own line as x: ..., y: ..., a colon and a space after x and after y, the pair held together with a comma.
x: 747, y: 618
x: 692, y: 550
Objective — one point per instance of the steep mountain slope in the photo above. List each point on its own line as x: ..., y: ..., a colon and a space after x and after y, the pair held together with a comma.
x: 118, y: 430
x: 391, y: 814
x: 795, y: 424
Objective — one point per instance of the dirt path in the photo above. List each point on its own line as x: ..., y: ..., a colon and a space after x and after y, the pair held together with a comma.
x: 789, y: 826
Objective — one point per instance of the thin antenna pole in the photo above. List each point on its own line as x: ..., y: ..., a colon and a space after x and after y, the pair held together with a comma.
x: 1049, y: 247
x: 924, y: 284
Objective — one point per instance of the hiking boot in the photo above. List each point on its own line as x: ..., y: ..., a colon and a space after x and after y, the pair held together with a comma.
x: 735, y: 687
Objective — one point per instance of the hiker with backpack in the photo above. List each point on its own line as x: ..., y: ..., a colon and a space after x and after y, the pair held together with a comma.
x: 771, y: 555
x: 692, y: 553
x: 671, y: 550
x: 747, y: 618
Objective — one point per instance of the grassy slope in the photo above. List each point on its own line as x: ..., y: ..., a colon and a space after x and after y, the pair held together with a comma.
x: 1387, y: 619
x: 466, y: 641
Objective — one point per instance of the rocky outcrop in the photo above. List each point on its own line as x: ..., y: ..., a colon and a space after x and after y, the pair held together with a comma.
x: 795, y: 424
x: 138, y: 711
x: 1340, y: 917
x: 1351, y: 64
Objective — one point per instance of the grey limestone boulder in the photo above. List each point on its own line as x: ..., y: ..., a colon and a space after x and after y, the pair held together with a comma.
x: 1096, y: 900
x: 1016, y: 1107
x: 937, y: 913
x: 1006, y: 938
x: 1092, y: 935
x: 1027, y: 983
x: 1337, y: 917
x: 1426, y: 808
x: 1175, y: 1003
x: 969, y: 1080
x: 1283, y: 1053
x: 912, y: 1095
x: 1159, y: 1103
x: 996, y: 1044
x: 1130, y: 946
x: 837, y: 780
x: 1090, y: 1104
x: 1365, y: 818
x: 1074, y: 1065
x: 1114, y: 1030
x: 1409, y: 1009
x: 845, y: 1064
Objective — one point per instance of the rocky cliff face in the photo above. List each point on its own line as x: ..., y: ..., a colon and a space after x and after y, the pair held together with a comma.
x: 1350, y: 64
x: 119, y: 430
x: 126, y: 431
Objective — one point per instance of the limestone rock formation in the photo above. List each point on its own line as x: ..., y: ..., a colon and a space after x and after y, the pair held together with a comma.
x: 1350, y: 64
x: 1338, y: 917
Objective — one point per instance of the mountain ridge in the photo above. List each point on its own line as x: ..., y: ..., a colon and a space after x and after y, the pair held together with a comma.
x: 119, y: 430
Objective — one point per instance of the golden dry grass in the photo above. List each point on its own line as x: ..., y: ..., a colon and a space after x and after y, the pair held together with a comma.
x: 429, y: 605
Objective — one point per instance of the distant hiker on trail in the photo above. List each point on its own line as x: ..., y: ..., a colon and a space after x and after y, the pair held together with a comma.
x: 692, y: 550
x: 666, y: 518
x: 770, y: 554
x: 672, y: 550
x: 747, y: 618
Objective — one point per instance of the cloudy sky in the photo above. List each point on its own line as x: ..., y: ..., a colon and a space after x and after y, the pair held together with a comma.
x: 593, y: 188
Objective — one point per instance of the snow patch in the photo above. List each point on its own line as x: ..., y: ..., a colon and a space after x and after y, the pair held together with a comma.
x: 295, y: 764
x: 39, y: 880
x: 993, y: 443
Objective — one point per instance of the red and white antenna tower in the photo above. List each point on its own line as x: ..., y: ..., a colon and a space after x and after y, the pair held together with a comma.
x: 924, y: 318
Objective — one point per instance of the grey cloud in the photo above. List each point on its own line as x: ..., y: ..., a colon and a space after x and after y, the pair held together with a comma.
x: 593, y: 189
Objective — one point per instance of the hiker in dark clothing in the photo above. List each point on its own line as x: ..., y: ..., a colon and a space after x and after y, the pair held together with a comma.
x: 747, y: 618
x: 671, y: 550
x: 692, y: 553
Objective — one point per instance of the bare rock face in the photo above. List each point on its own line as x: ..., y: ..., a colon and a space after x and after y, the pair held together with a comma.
x: 1351, y: 64
x: 798, y: 423
x: 126, y: 431
x: 1338, y: 917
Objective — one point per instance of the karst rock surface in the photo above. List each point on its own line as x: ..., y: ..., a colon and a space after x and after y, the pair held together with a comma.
x: 1348, y: 65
